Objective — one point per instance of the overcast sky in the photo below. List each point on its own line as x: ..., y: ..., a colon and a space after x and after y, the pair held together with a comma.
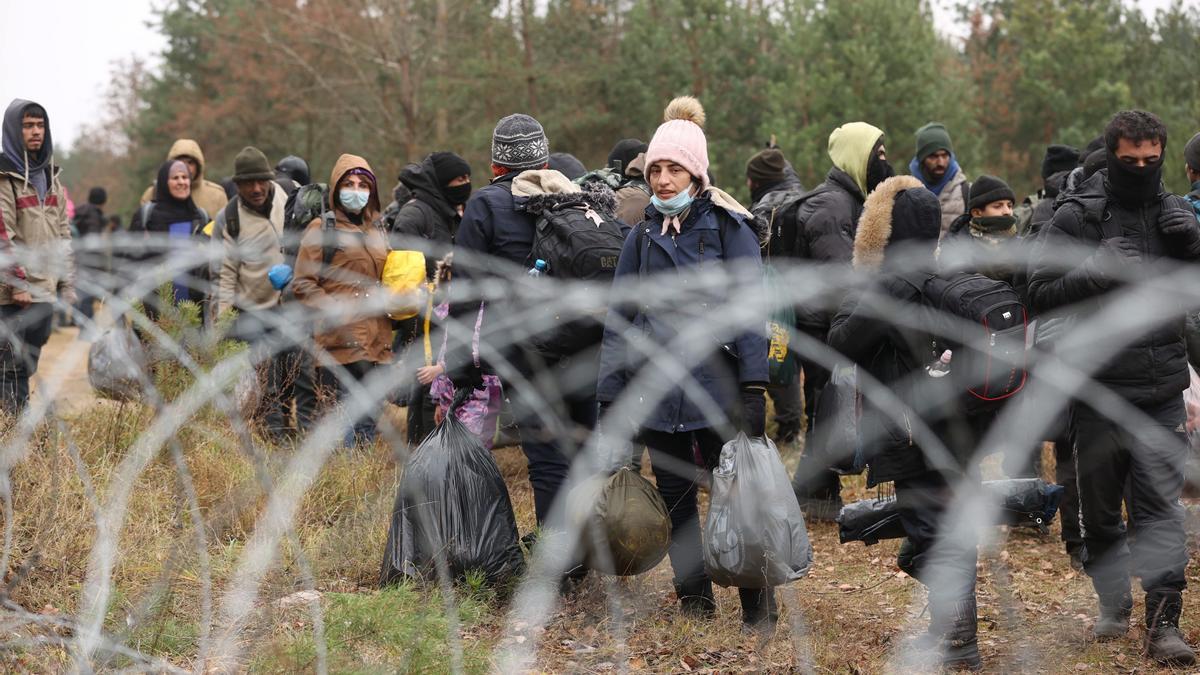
x: 70, y: 47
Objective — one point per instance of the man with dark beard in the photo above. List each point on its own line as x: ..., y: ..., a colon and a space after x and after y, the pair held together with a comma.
x: 936, y: 166
x: 1133, y: 223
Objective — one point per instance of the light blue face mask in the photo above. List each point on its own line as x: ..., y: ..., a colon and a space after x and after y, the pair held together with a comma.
x: 675, y: 205
x: 353, y: 200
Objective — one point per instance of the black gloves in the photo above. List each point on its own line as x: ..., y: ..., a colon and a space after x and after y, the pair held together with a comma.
x: 1111, y: 254
x: 754, y: 410
x: 1180, y: 225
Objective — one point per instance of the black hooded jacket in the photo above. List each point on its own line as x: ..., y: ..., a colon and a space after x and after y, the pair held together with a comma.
x: 892, y: 352
x: 1152, y: 367
x: 427, y: 215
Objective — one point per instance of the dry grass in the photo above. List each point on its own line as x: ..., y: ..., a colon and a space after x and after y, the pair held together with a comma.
x: 849, y: 615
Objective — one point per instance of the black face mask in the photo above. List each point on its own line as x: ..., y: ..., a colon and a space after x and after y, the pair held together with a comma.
x: 458, y: 194
x: 1134, y: 185
x: 878, y: 170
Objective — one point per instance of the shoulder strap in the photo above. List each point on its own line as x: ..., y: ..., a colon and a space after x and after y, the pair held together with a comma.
x: 328, y: 238
x: 232, y: 220
x: 966, y: 190
x: 145, y: 211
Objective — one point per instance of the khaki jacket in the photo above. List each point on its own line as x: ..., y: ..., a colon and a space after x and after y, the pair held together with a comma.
x: 952, y: 200
x: 245, y: 260
x: 40, y: 234
x: 206, y: 194
x: 351, y: 281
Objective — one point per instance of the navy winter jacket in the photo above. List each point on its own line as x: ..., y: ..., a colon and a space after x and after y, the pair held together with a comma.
x: 709, y: 235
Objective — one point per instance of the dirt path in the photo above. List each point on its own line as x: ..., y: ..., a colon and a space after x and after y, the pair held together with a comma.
x: 63, y: 367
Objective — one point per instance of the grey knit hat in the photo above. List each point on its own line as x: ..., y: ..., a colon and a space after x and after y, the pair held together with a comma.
x: 519, y: 142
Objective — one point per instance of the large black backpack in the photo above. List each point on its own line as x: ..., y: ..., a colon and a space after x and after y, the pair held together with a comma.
x: 784, y: 234
x: 770, y: 213
x: 580, y: 243
x: 989, y: 341
x: 577, y: 242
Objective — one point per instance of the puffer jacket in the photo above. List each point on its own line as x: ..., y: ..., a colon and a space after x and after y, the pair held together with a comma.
x: 710, y: 234
x: 825, y: 225
x: 245, y: 260
x: 427, y: 215
x: 353, y: 277
x: 1152, y: 367
x: 954, y: 199
x: 633, y: 196
x: 40, y: 236
x: 893, y: 354
x: 206, y: 194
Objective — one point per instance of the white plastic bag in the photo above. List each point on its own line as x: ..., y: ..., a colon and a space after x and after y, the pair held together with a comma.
x: 117, y: 364
x: 755, y: 535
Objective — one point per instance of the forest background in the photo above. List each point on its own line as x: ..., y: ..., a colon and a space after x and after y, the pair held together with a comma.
x: 395, y: 79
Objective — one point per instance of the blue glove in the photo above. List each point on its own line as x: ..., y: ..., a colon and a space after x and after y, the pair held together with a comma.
x: 280, y: 276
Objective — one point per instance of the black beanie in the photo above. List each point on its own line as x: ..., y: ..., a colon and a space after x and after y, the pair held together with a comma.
x: 1191, y: 153
x: 766, y: 167
x: 987, y: 189
x: 97, y: 196
x: 1095, y: 161
x: 625, y: 151
x: 447, y: 166
x: 1093, y: 145
x: 567, y: 164
x: 916, y: 215
x: 1059, y: 158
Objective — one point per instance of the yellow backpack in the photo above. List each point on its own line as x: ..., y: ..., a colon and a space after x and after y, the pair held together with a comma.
x: 404, y: 273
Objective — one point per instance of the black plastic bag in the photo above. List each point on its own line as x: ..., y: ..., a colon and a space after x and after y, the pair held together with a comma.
x: 836, y: 414
x: 624, y: 523
x: 755, y: 535
x: 1029, y: 502
x: 869, y: 521
x: 117, y: 364
x: 452, y: 506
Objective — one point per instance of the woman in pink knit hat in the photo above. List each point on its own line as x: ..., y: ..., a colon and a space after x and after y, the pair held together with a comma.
x: 688, y: 223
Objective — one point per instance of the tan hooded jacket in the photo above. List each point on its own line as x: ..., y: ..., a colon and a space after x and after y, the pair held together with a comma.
x: 206, y: 194
x: 352, y: 279
x: 40, y: 233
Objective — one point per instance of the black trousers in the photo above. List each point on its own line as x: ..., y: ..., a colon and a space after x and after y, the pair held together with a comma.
x: 23, y: 333
x: 554, y: 429
x: 673, y: 459
x: 787, y: 409
x: 814, y: 480
x: 419, y: 413
x: 1141, y: 463
x: 362, y: 428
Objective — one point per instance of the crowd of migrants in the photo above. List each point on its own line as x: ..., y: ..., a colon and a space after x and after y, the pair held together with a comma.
x: 272, y: 238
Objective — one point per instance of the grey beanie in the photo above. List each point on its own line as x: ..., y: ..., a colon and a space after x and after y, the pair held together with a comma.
x: 519, y: 142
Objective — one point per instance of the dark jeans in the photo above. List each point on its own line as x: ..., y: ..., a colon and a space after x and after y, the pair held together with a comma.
x: 942, y: 561
x: 814, y: 480
x: 287, y: 377
x: 673, y: 460
x: 569, y: 403
x: 23, y: 333
x: 362, y: 429
x: 1143, y: 464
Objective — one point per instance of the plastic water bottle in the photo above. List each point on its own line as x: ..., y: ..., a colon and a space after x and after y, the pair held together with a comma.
x: 538, y: 269
x: 941, y: 367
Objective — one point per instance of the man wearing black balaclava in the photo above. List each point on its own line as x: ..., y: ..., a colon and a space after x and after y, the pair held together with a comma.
x: 440, y: 186
x: 1135, y: 227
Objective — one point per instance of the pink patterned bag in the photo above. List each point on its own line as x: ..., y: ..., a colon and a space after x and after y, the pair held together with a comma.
x: 481, y: 409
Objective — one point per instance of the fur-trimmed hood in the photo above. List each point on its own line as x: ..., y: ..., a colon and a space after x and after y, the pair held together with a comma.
x: 538, y: 191
x: 900, y: 208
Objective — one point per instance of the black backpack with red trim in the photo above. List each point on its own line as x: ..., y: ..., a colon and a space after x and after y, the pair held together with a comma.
x: 989, y: 340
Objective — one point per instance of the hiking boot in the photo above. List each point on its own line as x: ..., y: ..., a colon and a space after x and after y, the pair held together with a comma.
x: 960, y: 644
x: 826, y: 510
x: 1113, y: 622
x: 760, y: 612
x: 696, y: 599
x: 1164, y: 642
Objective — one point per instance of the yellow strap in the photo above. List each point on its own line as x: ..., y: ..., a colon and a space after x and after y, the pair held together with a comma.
x: 428, y: 318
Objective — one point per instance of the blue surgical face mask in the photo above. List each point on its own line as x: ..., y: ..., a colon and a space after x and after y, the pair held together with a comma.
x: 353, y: 200
x: 675, y: 205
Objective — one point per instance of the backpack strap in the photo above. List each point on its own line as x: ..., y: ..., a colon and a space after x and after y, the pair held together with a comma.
x: 966, y: 190
x: 145, y: 211
x: 233, y: 223
x: 328, y: 238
